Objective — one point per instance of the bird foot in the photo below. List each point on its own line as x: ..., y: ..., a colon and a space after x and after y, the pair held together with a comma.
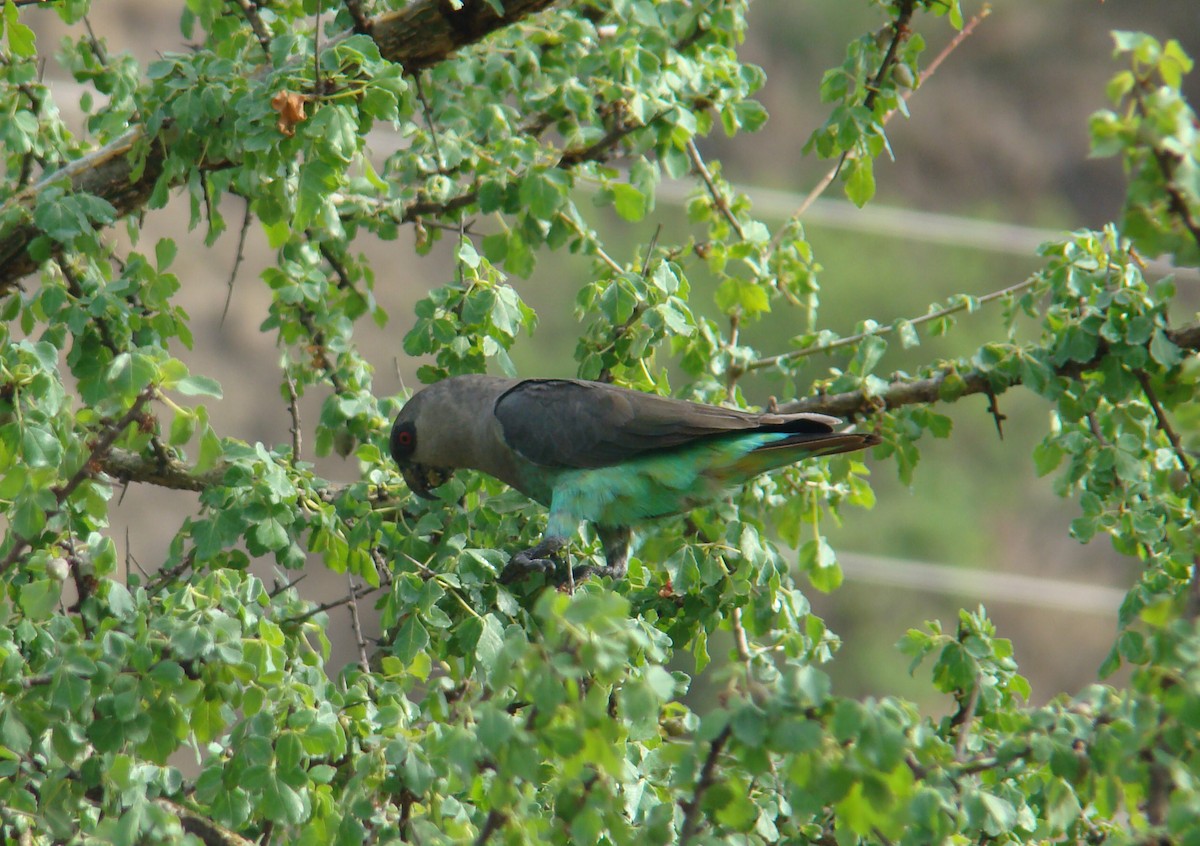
x: 546, y: 558
x: 584, y: 571
x: 543, y: 558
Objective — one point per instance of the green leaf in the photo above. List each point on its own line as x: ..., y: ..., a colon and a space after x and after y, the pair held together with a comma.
x: 193, y: 386
x: 543, y: 193
x: 37, y: 599
x: 741, y: 295
x: 130, y: 373
x: 40, y: 447
x: 20, y: 37
x: 410, y: 639
x: 164, y: 253
x: 1163, y: 349
x: 271, y: 533
x: 820, y: 562
x: 318, y: 181
x: 630, y: 203
x: 860, y: 181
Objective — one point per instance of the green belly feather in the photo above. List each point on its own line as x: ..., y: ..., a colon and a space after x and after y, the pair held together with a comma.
x: 662, y: 483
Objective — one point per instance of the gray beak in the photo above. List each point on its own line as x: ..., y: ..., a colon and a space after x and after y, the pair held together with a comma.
x: 421, y: 480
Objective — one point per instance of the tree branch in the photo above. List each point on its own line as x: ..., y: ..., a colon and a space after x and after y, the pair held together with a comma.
x: 886, y: 329
x: 719, y: 199
x: 419, y: 36
x: 129, y: 466
x: 832, y: 173
x: 1164, y: 422
x: 691, y: 810
x: 903, y: 392
x: 200, y: 826
x: 100, y: 450
x: 250, y: 12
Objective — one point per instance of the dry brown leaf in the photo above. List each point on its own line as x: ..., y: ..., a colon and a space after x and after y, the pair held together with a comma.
x: 290, y: 106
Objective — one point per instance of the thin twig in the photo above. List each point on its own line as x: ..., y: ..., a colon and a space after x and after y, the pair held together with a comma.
x: 718, y: 198
x: 650, y: 252
x: 339, y: 268
x: 491, y: 825
x: 356, y: 624
x: 201, y: 827
x: 97, y: 48
x: 129, y: 557
x: 1164, y: 422
x: 260, y: 30
x: 294, y: 407
x: 962, y: 721
x: 691, y: 808
x: 828, y: 178
x: 237, y: 261
x: 84, y: 579
x: 286, y: 586
x: 773, y: 360
x: 740, y: 641
x: 331, y: 604
x: 427, y: 111
x: 165, y: 577
x: 597, y: 250
x: 900, y: 31
x: 320, y: 355
x: 1168, y: 164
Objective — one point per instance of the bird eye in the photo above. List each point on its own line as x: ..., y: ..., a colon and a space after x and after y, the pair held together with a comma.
x: 404, y: 440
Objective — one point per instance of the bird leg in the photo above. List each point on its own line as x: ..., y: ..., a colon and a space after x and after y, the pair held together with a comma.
x: 543, y: 558
x: 616, y: 554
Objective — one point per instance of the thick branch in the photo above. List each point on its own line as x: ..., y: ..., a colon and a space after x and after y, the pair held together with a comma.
x: 928, y: 390
x: 417, y: 37
x: 199, y: 825
x: 129, y: 466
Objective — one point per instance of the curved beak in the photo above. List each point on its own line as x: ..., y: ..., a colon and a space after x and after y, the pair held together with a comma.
x: 421, y: 479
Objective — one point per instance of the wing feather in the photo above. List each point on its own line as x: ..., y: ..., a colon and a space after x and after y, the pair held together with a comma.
x: 578, y: 424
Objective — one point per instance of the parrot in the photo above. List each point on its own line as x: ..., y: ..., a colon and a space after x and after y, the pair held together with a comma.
x: 597, y: 452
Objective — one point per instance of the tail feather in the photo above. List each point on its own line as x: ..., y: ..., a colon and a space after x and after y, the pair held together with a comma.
x: 792, y: 449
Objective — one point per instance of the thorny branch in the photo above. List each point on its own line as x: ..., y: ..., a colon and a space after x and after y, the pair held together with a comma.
x: 353, y: 596
x: 356, y: 624
x: 362, y: 21
x: 901, y: 392
x: 491, y: 825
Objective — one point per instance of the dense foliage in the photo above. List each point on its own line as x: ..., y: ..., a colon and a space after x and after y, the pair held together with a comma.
x: 195, y: 701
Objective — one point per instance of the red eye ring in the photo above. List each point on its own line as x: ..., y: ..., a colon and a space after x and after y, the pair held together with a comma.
x: 404, y: 437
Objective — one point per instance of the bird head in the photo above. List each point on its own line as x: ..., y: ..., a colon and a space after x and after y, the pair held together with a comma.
x: 420, y: 478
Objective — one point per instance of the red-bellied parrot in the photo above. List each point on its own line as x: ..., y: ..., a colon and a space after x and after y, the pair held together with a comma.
x: 597, y: 452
